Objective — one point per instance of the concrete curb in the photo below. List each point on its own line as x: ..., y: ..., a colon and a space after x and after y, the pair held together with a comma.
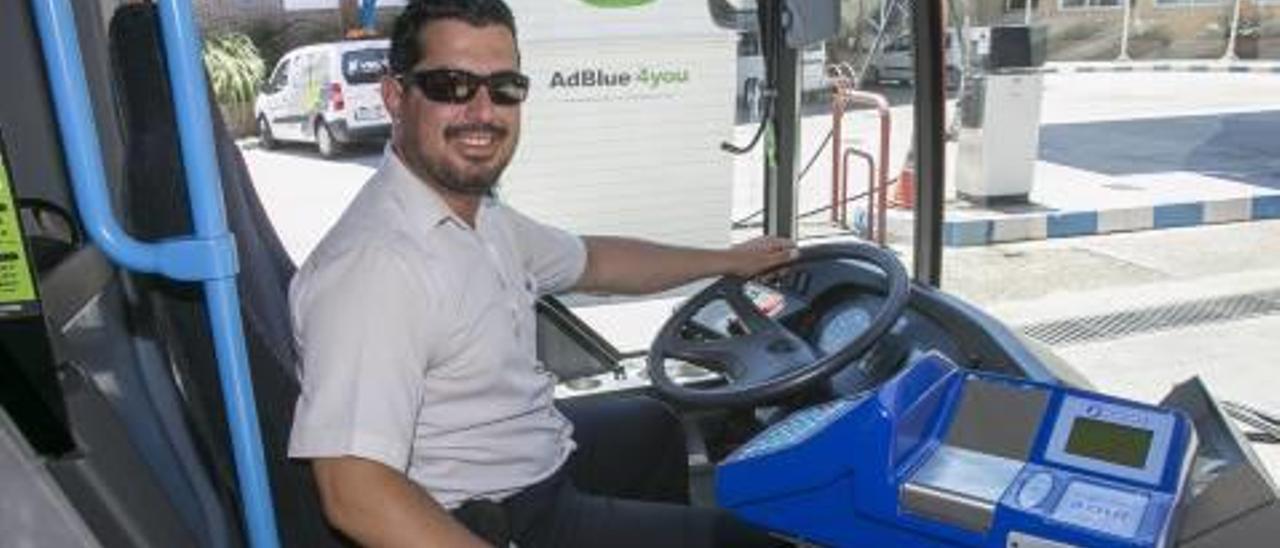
x: 1069, y: 224
x: 1272, y: 67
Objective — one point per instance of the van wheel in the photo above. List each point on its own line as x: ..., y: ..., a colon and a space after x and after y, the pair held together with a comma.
x: 325, y: 143
x: 266, y: 139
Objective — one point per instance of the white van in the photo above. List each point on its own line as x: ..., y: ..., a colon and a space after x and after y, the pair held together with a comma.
x: 897, y: 61
x: 327, y: 94
x: 751, y: 69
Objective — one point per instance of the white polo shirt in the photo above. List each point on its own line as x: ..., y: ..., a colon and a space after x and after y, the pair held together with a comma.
x: 417, y: 340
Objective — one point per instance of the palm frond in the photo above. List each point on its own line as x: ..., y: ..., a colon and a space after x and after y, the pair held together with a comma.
x: 235, y: 67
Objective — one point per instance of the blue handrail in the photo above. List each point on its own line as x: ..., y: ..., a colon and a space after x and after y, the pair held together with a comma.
x: 209, y: 256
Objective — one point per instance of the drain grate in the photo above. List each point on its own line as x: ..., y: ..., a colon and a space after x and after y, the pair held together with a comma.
x: 1158, y: 318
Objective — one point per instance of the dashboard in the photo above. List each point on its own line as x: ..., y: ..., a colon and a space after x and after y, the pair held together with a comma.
x: 830, y: 303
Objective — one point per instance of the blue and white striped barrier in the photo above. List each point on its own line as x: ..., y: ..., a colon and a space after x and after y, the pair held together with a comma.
x: 1067, y: 224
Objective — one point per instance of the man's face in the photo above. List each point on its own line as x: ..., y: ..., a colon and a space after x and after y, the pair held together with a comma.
x: 461, y: 147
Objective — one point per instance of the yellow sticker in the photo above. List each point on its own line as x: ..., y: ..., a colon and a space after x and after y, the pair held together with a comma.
x: 16, y: 283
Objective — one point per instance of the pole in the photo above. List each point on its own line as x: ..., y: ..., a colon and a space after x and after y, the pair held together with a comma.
x: 1124, y: 32
x: 930, y: 112
x: 1230, y: 54
x: 780, y: 173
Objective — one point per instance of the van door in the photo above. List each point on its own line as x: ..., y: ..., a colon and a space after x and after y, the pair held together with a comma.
x: 272, y: 99
x: 294, y: 109
x: 312, y: 96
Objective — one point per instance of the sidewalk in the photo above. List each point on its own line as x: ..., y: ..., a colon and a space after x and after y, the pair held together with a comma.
x: 1067, y: 202
x: 1192, y: 143
x: 1205, y: 155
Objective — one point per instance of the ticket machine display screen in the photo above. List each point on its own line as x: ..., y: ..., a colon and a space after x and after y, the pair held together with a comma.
x: 1110, y: 442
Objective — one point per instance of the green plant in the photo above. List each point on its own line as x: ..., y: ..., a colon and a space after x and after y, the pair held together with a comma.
x: 1250, y: 25
x: 235, y: 67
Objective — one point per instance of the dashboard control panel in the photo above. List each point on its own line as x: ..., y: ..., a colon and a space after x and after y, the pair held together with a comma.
x: 943, y: 456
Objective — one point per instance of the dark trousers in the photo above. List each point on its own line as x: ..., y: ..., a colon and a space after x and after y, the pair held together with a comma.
x: 626, y: 485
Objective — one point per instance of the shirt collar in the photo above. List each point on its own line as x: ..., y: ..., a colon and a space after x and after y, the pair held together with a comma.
x: 421, y: 201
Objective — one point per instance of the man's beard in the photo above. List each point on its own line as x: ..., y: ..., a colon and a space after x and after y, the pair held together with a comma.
x: 475, y: 184
x: 480, y: 183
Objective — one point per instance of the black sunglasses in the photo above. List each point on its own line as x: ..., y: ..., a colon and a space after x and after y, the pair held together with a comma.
x: 506, y: 88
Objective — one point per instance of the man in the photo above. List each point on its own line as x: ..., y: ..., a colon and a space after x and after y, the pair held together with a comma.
x: 421, y: 390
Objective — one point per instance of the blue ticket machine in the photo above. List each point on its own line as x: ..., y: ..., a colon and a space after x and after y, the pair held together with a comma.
x: 939, y: 456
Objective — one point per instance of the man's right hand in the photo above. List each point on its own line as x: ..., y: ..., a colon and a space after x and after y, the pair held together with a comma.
x: 378, y: 506
x: 759, y: 254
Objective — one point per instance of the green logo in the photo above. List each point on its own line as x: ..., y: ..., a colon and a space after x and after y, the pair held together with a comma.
x: 618, y: 3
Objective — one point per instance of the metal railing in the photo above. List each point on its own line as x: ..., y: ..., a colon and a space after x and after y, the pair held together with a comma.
x: 845, y: 95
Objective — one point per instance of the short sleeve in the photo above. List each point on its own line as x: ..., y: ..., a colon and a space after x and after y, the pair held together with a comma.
x: 361, y: 321
x: 555, y: 257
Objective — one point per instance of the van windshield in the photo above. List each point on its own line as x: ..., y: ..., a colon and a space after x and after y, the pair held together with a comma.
x: 364, y: 66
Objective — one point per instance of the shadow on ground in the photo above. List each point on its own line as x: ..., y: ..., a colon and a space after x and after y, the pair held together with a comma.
x: 1240, y: 147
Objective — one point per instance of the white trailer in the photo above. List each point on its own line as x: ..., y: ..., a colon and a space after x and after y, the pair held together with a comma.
x: 623, y: 127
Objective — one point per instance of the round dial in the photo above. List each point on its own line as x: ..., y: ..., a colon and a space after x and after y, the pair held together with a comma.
x: 841, y: 326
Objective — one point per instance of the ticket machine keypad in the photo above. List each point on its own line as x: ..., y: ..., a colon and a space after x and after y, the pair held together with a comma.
x: 794, y: 429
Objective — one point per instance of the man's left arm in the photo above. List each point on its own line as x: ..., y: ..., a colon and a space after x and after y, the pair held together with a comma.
x: 635, y: 267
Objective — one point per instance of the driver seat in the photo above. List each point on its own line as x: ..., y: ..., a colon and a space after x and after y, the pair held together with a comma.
x: 155, y: 206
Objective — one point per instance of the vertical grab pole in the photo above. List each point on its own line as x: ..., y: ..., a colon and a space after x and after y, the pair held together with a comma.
x: 208, y: 257
x: 195, y: 127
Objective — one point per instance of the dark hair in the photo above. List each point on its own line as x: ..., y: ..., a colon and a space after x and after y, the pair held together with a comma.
x: 406, y: 50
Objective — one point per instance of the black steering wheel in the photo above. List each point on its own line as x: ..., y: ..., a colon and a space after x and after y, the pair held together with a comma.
x: 769, y: 361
